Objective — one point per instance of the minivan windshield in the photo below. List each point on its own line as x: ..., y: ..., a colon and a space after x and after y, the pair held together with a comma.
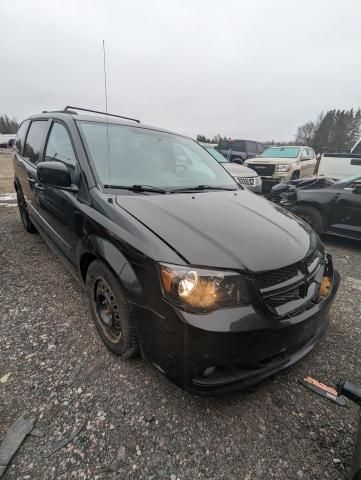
x: 140, y: 156
x: 280, y: 152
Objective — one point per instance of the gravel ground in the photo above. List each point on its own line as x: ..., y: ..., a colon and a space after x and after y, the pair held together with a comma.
x: 137, y: 424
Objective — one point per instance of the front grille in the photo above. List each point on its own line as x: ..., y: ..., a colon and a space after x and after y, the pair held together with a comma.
x: 285, y: 297
x: 247, y: 181
x: 263, y: 169
x: 274, y: 277
x: 310, y: 259
x: 290, y: 288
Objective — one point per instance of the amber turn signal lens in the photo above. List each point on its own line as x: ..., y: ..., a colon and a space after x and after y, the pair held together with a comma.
x: 325, y: 287
x: 167, y: 277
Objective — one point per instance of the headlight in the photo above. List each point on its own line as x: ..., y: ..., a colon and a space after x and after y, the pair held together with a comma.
x: 282, y: 168
x: 202, y: 290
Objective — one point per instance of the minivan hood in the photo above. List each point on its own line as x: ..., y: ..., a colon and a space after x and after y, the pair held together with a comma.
x: 233, y: 230
x: 239, y: 170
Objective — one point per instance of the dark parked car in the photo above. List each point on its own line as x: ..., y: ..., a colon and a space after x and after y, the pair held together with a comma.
x: 215, y: 286
x: 329, y: 206
x: 239, y: 150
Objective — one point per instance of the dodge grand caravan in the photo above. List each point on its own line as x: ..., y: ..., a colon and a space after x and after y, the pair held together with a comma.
x: 213, y: 285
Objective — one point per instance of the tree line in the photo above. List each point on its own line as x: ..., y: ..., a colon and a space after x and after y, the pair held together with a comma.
x: 334, y: 130
x: 215, y: 139
x: 8, y: 125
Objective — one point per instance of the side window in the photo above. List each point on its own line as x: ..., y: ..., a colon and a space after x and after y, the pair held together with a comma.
x: 304, y: 153
x: 20, y: 137
x: 311, y: 153
x: 59, y: 147
x: 35, y: 139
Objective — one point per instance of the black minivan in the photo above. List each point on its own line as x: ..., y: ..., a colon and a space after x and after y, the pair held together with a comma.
x: 213, y: 285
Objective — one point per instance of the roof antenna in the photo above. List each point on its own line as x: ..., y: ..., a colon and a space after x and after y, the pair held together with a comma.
x: 110, y: 199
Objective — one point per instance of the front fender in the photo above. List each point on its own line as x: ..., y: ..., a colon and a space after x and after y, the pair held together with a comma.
x: 103, y: 249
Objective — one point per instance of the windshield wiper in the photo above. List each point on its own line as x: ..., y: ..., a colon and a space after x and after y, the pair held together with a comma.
x: 138, y: 188
x: 201, y: 188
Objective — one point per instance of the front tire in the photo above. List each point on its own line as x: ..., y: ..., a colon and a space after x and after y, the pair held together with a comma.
x: 24, y: 215
x: 111, y: 311
x: 310, y: 215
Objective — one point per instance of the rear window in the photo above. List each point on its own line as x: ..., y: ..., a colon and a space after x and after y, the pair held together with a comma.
x: 20, y: 137
x: 35, y: 140
x: 235, y: 145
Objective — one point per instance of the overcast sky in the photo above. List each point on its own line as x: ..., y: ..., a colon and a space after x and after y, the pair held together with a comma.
x: 246, y: 69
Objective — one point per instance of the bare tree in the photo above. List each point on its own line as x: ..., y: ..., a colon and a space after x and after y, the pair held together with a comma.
x: 305, y: 133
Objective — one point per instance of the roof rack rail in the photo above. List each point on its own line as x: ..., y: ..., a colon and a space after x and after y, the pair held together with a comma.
x: 68, y: 108
x: 60, y: 111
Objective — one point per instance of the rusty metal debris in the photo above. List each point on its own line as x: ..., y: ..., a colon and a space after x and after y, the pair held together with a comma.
x: 323, y: 390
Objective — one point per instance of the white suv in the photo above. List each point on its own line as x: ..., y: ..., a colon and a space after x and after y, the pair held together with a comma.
x: 283, y: 163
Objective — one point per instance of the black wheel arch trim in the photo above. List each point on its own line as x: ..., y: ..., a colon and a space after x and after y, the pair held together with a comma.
x: 102, y: 249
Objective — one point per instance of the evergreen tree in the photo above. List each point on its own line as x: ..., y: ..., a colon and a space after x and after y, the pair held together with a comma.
x: 7, y: 125
x: 335, y: 130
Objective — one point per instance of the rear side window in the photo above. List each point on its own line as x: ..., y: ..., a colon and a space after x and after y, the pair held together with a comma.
x: 20, y: 137
x: 235, y: 145
x: 59, y: 147
x: 35, y: 139
x: 260, y: 148
x: 239, y: 146
x: 251, y: 147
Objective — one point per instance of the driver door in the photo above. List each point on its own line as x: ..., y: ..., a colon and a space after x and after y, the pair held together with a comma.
x: 58, y: 207
x: 346, y: 211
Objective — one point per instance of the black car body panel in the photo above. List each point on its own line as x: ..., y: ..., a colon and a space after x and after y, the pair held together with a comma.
x: 280, y: 260
x: 209, y: 237
x: 338, y: 202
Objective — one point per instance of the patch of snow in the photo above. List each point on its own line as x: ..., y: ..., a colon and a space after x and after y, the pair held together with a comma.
x: 7, y: 196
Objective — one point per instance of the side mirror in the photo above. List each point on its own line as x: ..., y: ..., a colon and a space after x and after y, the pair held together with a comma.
x: 54, y: 174
x: 357, y: 187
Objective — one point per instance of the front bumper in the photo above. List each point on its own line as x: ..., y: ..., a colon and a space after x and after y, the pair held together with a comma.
x: 230, y: 349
